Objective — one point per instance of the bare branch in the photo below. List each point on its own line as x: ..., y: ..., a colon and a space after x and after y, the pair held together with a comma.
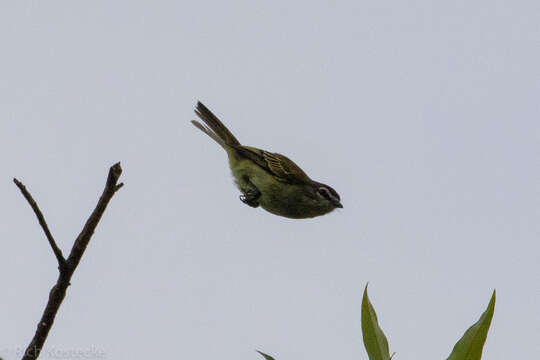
x: 58, y: 291
x: 42, y: 222
x: 88, y: 230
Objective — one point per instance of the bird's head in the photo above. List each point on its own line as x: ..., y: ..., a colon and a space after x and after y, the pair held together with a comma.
x: 326, y: 196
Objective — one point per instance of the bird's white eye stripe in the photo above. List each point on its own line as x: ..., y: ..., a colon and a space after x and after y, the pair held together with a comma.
x: 329, y: 195
x: 324, y: 192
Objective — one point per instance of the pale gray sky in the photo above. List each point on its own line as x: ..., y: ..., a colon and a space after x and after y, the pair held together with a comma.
x: 423, y: 116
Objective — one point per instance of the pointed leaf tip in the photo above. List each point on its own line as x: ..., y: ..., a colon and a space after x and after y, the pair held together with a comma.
x: 471, y: 344
x: 267, y: 357
x: 375, y: 341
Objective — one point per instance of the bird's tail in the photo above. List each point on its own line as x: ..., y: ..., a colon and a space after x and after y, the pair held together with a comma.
x: 214, y: 127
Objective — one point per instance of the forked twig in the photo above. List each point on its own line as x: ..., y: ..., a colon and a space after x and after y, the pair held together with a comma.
x: 66, y: 266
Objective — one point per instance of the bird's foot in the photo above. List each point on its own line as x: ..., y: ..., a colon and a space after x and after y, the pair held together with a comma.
x: 251, y: 198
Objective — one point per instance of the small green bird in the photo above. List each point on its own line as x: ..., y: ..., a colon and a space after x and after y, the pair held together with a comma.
x: 270, y: 180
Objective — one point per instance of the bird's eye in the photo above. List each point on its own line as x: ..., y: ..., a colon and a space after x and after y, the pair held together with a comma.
x: 324, y: 192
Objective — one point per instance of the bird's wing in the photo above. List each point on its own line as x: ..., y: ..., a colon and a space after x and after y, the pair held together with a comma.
x: 283, y: 168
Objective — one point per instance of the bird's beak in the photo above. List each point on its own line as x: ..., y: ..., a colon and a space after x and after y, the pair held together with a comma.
x: 338, y: 205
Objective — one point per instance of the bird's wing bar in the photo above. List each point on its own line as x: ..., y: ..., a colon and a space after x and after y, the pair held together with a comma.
x: 283, y: 168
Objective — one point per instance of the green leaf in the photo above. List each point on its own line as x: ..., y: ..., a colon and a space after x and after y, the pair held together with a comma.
x: 374, y: 339
x: 267, y: 357
x: 470, y: 346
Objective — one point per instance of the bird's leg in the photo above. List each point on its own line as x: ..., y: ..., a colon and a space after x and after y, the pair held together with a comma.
x: 250, y: 195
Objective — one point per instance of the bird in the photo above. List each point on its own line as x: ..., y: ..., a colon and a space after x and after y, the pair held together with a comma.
x: 267, y: 179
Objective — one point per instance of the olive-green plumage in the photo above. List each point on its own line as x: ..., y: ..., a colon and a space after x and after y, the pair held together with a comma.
x: 270, y: 180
